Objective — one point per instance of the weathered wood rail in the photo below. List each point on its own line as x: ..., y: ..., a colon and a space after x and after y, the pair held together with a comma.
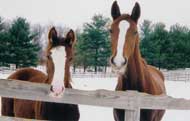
x: 4, y: 118
x: 131, y: 101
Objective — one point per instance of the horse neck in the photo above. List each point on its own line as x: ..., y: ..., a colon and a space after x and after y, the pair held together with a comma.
x: 135, y: 76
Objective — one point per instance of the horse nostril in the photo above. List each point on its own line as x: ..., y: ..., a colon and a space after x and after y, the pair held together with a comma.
x: 51, y: 88
x: 125, y: 62
x: 112, y: 60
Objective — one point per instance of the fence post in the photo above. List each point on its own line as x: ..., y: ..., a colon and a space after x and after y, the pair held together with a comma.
x: 132, y: 115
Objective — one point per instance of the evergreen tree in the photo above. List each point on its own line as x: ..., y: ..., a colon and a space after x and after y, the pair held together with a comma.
x: 154, y: 42
x: 81, y: 56
x: 93, y: 43
x: 146, y: 43
x: 165, y: 49
x: 4, y: 48
x: 178, y: 56
x: 4, y: 37
x: 1, y: 24
x: 159, y: 36
x: 22, y: 50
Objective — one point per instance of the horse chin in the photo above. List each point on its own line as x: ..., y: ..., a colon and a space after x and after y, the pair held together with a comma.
x: 119, y: 71
x: 56, y: 95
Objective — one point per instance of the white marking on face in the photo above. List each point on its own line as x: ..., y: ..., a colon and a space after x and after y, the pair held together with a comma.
x: 119, y: 59
x: 58, y: 57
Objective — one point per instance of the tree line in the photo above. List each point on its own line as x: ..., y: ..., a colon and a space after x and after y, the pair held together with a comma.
x: 165, y: 48
x: 93, y: 45
x: 16, y: 45
x: 22, y: 44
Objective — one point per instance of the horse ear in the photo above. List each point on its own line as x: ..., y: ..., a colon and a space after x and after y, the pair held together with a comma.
x: 136, y: 12
x: 52, y: 36
x: 115, y: 11
x: 71, y: 37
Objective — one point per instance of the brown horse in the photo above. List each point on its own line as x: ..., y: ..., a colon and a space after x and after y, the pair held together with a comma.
x: 126, y: 60
x: 59, y: 57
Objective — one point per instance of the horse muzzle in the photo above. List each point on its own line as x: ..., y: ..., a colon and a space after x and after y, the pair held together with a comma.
x: 56, y: 91
x: 118, y: 67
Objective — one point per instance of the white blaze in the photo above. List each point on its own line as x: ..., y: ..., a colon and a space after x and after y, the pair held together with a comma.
x: 59, y: 57
x: 119, y: 59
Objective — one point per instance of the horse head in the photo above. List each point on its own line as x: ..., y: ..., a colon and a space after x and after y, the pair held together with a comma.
x: 124, y: 36
x: 59, y: 56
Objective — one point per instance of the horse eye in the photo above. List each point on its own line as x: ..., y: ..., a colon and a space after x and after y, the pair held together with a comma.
x: 135, y: 33
x: 110, y: 30
x: 49, y: 56
x: 70, y: 59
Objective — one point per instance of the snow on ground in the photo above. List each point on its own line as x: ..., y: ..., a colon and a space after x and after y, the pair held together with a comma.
x: 175, y: 89
x: 92, y: 113
x: 178, y: 90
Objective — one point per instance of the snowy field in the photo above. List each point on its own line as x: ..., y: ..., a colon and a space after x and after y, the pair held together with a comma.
x: 91, y: 113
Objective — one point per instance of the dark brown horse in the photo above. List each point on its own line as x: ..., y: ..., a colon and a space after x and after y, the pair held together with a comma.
x: 59, y: 57
x: 126, y: 60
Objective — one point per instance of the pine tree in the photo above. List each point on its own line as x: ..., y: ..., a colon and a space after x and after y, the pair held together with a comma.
x: 94, y: 44
x: 153, y: 42
x: 4, y: 38
x: 22, y: 50
x: 163, y: 48
x: 1, y: 24
x: 178, y: 56
x: 145, y: 43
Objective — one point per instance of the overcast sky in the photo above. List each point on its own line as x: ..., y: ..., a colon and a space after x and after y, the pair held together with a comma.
x: 73, y: 13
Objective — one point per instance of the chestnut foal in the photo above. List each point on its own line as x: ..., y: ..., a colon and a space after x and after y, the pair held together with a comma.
x: 59, y: 57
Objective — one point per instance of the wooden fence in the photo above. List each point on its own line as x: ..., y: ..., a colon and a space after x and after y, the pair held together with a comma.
x: 130, y: 101
x: 170, y: 75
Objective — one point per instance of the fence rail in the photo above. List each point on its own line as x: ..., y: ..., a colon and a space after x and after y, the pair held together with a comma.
x: 131, y: 101
x: 4, y: 118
